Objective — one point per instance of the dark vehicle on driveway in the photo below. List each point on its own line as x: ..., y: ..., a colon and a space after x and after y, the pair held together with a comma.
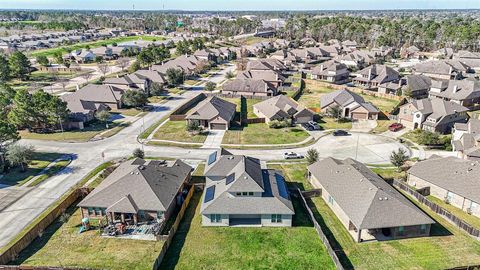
x: 395, y: 127
x: 340, y: 132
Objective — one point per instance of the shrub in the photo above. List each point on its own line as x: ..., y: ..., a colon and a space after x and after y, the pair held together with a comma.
x: 280, y: 123
x: 138, y: 153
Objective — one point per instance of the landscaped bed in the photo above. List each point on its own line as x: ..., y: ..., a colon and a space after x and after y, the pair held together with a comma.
x: 177, y: 131
x: 197, y: 247
x: 447, y: 247
x: 261, y: 133
x: 61, y: 245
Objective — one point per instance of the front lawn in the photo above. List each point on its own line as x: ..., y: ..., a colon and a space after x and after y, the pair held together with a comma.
x: 445, y: 249
x: 331, y: 123
x: 60, y: 165
x: 197, y: 247
x: 382, y: 126
x: 430, y: 139
x: 261, y: 133
x: 61, y: 245
x: 39, y: 162
x: 177, y: 131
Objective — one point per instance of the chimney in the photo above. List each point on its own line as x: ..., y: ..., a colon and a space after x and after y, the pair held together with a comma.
x: 455, y: 88
x: 450, y: 71
x: 370, y: 74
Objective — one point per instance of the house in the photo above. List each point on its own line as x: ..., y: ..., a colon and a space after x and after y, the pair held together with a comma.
x: 130, y: 81
x: 80, y: 111
x: 351, y: 104
x: 453, y: 180
x: 442, y: 69
x: 138, y: 191
x: 471, y: 59
x: 207, y: 55
x: 415, y: 86
x: 249, y: 87
x: 331, y: 71
x: 411, y: 52
x: 152, y: 76
x: 188, y: 64
x: 105, y: 52
x: 82, y: 56
x: 435, y: 115
x: 107, y: 95
x: 357, y: 59
x: 266, y: 65
x: 375, y: 75
x: 367, y: 206
x: 349, y: 45
x: 466, y: 139
x: 213, y: 113
x: 239, y: 192
x: 463, y: 92
x: 282, y: 108
x: 270, y: 76
x: 286, y: 57
x: 444, y: 53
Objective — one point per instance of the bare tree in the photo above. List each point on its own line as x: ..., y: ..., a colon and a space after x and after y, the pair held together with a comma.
x: 63, y: 83
x: 103, y: 68
x: 123, y: 63
x: 87, y: 76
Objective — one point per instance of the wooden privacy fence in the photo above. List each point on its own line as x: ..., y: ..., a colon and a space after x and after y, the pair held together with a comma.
x: 169, y: 237
x: 12, y: 252
x: 321, y: 234
x: 460, y: 223
x: 20, y: 267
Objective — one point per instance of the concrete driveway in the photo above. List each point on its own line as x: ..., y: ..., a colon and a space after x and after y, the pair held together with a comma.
x: 214, y: 139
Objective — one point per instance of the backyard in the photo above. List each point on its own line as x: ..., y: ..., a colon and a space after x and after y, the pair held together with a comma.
x: 38, y: 162
x: 314, y: 90
x: 446, y: 248
x: 177, y: 131
x: 261, y: 133
x: 250, y: 103
x: 197, y: 247
x: 61, y: 245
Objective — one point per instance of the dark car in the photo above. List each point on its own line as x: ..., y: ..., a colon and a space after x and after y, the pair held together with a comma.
x: 340, y: 132
x: 395, y: 127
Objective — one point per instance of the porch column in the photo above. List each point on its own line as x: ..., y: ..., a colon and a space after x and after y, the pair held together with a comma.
x: 135, y: 219
x: 122, y: 217
x: 81, y: 210
x: 359, y: 237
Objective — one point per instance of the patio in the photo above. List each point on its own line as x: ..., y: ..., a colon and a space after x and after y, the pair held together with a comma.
x: 142, y: 231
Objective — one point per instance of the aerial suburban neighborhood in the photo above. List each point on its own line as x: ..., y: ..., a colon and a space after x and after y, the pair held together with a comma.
x: 239, y: 135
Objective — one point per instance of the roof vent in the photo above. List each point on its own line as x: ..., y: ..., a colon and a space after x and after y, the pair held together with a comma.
x: 380, y: 198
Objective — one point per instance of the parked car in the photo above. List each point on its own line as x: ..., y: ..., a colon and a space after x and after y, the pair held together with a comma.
x: 292, y: 155
x: 340, y: 132
x: 314, y: 125
x: 395, y: 127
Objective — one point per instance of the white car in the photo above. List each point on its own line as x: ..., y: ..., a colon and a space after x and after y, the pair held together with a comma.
x: 292, y: 155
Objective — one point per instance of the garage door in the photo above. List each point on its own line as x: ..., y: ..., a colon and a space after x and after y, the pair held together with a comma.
x: 301, y: 120
x: 359, y: 115
x: 218, y: 126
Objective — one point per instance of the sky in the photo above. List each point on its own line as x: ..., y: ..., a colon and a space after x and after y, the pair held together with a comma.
x: 240, y: 4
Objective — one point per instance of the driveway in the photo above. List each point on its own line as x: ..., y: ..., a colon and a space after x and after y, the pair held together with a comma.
x: 214, y: 139
x: 363, y: 125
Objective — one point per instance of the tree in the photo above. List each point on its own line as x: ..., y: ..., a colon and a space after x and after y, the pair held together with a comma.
x: 398, y: 158
x: 134, y: 67
x: 138, y: 153
x: 229, y: 75
x: 8, y: 132
x: 156, y: 89
x: 133, y: 98
x: 103, y: 68
x: 19, y: 65
x: 175, y: 76
x: 103, y: 116
x: 87, y: 76
x: 210, y: 86
x: 335, y: 111
x: 22, y: 112
x: 312, y: 156
x: 123, y: 63
x: 58, y: 57
x: 193, y: 126
x: 145, y: 58
x: 17, y: 154
x: 43, y: 60
x: 6, y: 99
x: 4, y: 69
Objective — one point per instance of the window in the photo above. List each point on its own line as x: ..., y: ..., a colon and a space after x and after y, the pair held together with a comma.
x: 250, y: 193
x: 98, y: 211
x: 239, y: 194
x: 276, y: 218
x: 330, y: 200
x: 104, y: 211
x: 401, y: 230
x: 90, y: 211
x: 216, y: 218
x: 244, y: 193
x: 159, y: 215
x: 423, y: 228
x: 141, y: 214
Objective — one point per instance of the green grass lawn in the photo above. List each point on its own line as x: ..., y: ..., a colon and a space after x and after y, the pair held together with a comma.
x: 382, y: 126
x: 314, y: 90
x: 50, y: 172
x: 93, y: 44
x: 197, y: 247
x: 127, y: 111
x: 473, y: 220
x: 39, y: 162
x: 62, y: 245
x: 261, y: 133
x: 250, y: 103
x: 177, y: 131
x: 331, y: 123
x: 77, y: 135
x: 434, y: 252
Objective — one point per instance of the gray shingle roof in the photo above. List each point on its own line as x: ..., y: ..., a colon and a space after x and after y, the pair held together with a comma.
x: 367, y: 200
x: 213, y: 107
x: 457, y: 175
x: 249, y: 85
x: 281, y: 106
x: 99, y: 93
x: 460, y: 90
x: 137, y: 184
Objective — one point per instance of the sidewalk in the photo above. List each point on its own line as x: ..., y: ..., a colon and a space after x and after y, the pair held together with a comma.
x: 214, y: 139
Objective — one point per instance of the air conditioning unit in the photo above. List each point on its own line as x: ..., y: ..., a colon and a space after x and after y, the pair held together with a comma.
x: 447, y: 200
x: 469, y: 211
